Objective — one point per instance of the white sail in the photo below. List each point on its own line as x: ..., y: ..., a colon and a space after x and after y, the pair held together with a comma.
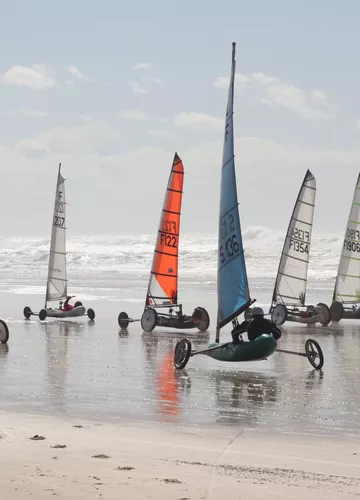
x: 290, y: 285
x: 347, y: 286
x: 57, y: 281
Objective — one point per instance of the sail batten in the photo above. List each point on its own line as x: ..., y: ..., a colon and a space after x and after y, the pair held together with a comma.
x: 232, y: 283
x: 291, y: 277
x: 163, y: 283
x: 56, y: 288
x: 348, y: 276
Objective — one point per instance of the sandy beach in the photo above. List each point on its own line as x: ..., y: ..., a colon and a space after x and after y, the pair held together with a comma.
x: 88, y: 460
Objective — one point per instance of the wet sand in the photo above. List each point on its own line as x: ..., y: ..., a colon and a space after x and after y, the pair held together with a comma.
x: 87, y: 370
x: 276, y: 428
x: 79, y: 459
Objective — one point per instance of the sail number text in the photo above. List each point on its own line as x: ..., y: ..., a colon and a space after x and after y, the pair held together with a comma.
x: 351, y: 246
x: 166, y: 239
x: 59, y: 221
x: 299, y: 240
x: 168, y: 226
x: 229, y: 242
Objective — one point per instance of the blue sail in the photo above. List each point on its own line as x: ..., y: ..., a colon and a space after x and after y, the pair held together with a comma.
x: 232, y: 282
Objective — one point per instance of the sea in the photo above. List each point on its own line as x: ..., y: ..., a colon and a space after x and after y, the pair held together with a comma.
x: 82, y: 369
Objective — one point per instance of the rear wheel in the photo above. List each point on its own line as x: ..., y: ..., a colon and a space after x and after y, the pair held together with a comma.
x: 201, y: 319
x: 314, y: 354
x: 325, y: 312
x: 182, y: 354
x: 4, y: 332
x: 91, y: 314
x: 148, y: 319
x: 123, y: 320
x: 78, y: 303
x: 27, y: 312
x: 279, y: 314
x: 336, y: 311
x: 42, y: 314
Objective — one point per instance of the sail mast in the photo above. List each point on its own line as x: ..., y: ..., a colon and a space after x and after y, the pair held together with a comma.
x: 232, y: 283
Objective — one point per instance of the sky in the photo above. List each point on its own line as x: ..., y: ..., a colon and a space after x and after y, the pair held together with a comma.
x: 112, y: 89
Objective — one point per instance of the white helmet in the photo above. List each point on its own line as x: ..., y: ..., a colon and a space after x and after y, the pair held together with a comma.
x: 257, y: 311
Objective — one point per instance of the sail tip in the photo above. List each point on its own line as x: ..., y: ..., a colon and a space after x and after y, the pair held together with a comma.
x: 233, y: 50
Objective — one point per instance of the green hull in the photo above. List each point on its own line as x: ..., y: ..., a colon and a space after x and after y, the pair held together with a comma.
x: 257, y: 349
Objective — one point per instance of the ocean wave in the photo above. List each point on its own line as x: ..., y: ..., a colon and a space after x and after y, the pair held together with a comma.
x: 114, y: 255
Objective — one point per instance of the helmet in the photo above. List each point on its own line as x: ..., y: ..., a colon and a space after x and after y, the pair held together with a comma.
x: 257, y: 311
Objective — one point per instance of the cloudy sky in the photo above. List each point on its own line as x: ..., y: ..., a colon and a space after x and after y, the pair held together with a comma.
x: 112, y: 89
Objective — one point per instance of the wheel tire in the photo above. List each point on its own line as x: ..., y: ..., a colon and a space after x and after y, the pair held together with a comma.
x: 202, y: 319
x: 314, y: 351
x: 148, y: 319
x: 91, y: 314
x: 182, y: 354
x: 78, y: 303
x: 4, y: 332
x: 123, y: 320
x: 279, y: 314
x: 325, y: 311
x: 27, y: 312
x: 42, y: 314
x: 336, y: 311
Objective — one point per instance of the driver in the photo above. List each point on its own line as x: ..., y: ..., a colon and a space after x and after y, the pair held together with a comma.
x: 67, y: 306
x: 255, y: 327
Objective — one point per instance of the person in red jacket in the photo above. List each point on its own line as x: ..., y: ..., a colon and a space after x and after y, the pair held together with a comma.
x: 67, y: 306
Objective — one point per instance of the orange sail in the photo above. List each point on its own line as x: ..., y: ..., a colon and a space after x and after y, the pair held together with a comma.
x: 163, y: 284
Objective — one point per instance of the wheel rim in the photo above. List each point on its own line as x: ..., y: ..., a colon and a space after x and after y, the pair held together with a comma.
x: 325, y: 312
x: 181, y: 353
x: 201, y: 318
x: 148, y: 319
x: 123, y: 320
x: 314, y: 354
x: 278, y: 315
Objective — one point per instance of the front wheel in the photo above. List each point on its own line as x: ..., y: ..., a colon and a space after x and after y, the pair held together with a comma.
x: 279, y: 314
x: 123, y: 320
x: 325, y: 313
x: 336, y: 311
x: 314, y: 354
x: 182, y: 354
x: 27, y: 312
x: 201, y: 319
x: 91, y: 314
x: 42, y: 314
x: 4, y: 332
x: 148, y: 319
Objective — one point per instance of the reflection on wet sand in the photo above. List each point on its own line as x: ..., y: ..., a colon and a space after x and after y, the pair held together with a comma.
x: 167, y: 389
x: 57, y: 335
x: 243, y: 392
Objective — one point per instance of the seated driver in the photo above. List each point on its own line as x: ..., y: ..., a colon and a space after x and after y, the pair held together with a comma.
x: 255, y: 327
x: 67, y: 306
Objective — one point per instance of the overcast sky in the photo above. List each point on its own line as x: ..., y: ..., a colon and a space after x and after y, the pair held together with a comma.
x: 112, y: 89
